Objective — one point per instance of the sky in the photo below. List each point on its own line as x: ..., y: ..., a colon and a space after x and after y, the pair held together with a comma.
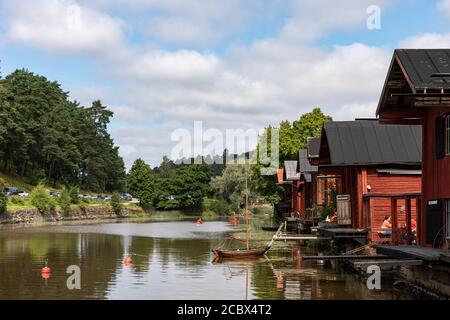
x: 162, y: 65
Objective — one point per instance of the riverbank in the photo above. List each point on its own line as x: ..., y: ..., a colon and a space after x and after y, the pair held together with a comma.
x: 77, y: 213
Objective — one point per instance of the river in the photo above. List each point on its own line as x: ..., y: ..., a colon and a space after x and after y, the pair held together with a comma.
x: 171, y: 260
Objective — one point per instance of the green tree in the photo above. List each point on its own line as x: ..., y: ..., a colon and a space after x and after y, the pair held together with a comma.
x: 45, y: 136
x: 41, y: 199
x: 141, y: 183
x: 185, y: 189
x: 116, y: 203
x: 74, y: 195
x: 3, y: 200
x: 292, y: 138
x: 231, y: 186
x: 166, y: 169
x: 64, y: 201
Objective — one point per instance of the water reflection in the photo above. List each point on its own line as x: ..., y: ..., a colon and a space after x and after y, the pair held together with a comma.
x: 171, y: 260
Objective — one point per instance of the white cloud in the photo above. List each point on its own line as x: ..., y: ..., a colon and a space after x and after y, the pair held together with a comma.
x: 156, y: 65
x: 426, y: 40
x: 444, y: 6
x: 63, y: 26
x: 314, y: 18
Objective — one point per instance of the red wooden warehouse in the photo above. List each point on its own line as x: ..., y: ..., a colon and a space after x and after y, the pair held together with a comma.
x: 363, y: 167
x: 300, y: 177
x: 417, y: 91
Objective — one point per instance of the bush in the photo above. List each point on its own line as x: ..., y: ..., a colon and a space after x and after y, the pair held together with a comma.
x: 3, y: 202
x: 64, y: 201
x: 82, y: 207
x: 221, y: 207
x: 74, y: 192
x: 116, y: 203
x: 41, y: 199
x: 17, y: 200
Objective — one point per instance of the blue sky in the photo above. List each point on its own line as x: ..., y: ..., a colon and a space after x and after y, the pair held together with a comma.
x: 160, y: 65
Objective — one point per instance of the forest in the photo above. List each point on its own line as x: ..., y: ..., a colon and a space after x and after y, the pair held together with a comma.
x: 46, y: 137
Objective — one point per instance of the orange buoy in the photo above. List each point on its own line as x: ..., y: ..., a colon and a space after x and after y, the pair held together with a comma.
x: 199, y: 221
x: 234, y: 221
x: 128, y: 261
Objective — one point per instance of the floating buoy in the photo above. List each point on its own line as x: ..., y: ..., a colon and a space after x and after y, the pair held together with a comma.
x: 128, y: 261
x: 46, y: 270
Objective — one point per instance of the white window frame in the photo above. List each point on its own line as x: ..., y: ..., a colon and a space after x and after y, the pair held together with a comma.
x: 447, y: 135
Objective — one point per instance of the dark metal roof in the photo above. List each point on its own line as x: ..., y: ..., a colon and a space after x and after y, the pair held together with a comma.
x: 369, y: 143
x: 426, y: 68
x: 305, y: 166
x: 313, y: 147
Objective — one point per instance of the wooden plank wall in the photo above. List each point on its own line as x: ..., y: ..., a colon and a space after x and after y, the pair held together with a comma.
x: 390, y: 184
x: 435, y: 172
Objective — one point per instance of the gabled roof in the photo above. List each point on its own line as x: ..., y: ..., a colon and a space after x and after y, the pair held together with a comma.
x: 365, y: 142
x: 291, y: 170
x: 304, y: 165
x: 426, y: 68
x: 313, y: 147
x: 416, y: 78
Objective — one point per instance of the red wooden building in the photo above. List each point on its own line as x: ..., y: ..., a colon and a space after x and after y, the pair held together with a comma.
x: 417, y: 91
x: 300, y: 181
x: 363, y: 167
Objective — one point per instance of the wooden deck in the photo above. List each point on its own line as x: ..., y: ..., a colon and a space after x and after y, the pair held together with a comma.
x: 415, y: 252
x: 388, y: 263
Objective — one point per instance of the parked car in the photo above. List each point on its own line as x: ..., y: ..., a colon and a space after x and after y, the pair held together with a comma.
x: 11, y: 191
x: 55, y: 194
x: 126, y: 197
x: 23, y: 194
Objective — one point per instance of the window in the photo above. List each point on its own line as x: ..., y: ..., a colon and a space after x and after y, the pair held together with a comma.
x: 447, y: 135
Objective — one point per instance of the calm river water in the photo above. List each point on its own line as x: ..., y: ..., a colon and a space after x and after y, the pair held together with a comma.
x: 172, y: 260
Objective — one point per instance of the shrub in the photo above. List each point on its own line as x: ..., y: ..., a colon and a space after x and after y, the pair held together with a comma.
x: 221, y: 207
x: 41, y: 199
x: 64, y: 201
x: 116, y: 203
x: 82, y: 207
x: 17, y: 200
x: 74, y: 192
x: 3, y: 202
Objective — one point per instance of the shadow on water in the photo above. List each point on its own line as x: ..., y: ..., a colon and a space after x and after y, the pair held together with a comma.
x: 171, y: 260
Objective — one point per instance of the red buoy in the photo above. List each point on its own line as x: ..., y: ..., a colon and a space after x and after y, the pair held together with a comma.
x: 46, y: 270
x: 199, y: 221
x: 128, y: 261
x: 45, y: 275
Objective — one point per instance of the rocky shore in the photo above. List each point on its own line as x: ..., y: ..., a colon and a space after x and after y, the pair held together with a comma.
x: 98, y: 212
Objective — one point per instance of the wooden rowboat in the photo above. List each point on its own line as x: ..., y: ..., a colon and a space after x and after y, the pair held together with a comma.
x: 240, y: 253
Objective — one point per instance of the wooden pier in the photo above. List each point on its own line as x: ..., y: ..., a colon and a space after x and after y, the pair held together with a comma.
x: 358, y: 235
x: 285, y: 237
x: 415, y: 252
